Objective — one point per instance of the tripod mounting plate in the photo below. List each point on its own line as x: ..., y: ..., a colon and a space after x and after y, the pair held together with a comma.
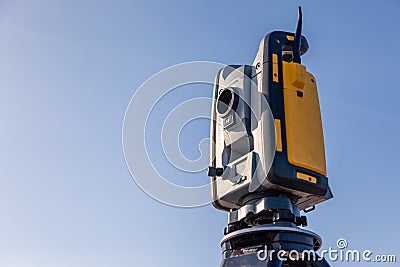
x: 275, y: 230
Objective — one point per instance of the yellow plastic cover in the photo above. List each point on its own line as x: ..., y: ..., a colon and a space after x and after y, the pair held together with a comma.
x: 304, y: 135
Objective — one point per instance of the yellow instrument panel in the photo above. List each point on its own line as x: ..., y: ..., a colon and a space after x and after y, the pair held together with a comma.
x: 304, y: 135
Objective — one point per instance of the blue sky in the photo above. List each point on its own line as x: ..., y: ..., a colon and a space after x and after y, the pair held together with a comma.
x: 68, y: 70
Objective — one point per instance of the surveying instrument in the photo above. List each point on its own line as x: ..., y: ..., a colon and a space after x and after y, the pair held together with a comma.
x: 267, y: 160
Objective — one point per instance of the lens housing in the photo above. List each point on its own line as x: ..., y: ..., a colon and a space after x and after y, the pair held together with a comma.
x: 227, y: 101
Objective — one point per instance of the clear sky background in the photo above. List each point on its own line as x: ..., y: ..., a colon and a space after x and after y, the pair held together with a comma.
x: 68, y: 70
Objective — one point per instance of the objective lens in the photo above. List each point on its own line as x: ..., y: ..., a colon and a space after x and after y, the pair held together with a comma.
x: 227, y: 101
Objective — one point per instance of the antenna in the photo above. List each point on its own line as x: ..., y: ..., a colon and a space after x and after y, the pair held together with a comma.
x: 297, y: 39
